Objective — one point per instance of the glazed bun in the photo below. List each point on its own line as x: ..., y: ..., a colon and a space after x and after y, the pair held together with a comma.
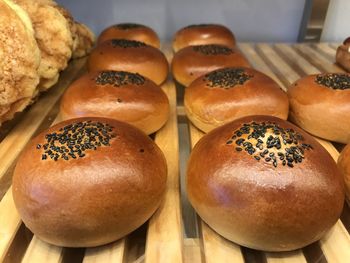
x: 320, y: 104
x: 132, y: 56
x: 265, y: 184
x: 192, y: 62
x: 343, y: 54
x: 203, y: 34
x: 344, y: 167
x: 117, y: 95
x: 89, y: 181
x: 130, y: 31
x: 227, y: 94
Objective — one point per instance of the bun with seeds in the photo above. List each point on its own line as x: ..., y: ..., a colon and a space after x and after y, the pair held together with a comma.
x: 203, y: 34
x: 89, y: 181
x: 131, y: 56
x: 194, y: 61
x: 117, y: 95
x: 320, y: 104
x: 130, y: 31
x: 263, y: 183
x: 343, y: 54
x: 227, y: 94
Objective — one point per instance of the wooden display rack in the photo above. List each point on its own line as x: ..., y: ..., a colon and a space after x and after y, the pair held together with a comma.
x: 162, y: 239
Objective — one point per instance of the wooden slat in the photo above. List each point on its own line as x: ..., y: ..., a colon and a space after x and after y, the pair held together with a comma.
x: 286, y: 257
x: 39, y: 251
x: 192, y: 250
x: 165, y: 237
x: 326, y: 50
x: 334, y: 45
x: 327, y: 243
x: 114, y: 252
x: 216, y: 248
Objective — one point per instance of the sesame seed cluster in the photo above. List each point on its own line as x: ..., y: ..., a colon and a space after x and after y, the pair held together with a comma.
x: 127, y: 26
x: 270, y: 143
x: 74, y: 140
x: 213, y: 50
x: 197, y: 25
x: 333, y: 80
x: 226, y: 78
x: 119, y: 78
x: 124, y: 43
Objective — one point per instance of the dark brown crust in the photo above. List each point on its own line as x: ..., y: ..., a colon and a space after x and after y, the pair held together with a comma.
x: 320, y: 110
x: 257, y: 205
x: 203, y: 35
x: 142, y: 33
x: 187, y: 64
x: 145, y: 60
x: 343, y: 56
x: 145, y: 106
x: 344, y: 167
x: 92, y: 200
x: 212, y: 107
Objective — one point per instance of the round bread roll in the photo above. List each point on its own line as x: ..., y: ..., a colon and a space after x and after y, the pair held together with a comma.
x: 227, y: 94
x: 203, y: 34
x: 343, y: 54
x: 131, y: 56
x: 265, y: 184
x: 117, y: 95
x: 320, y: 104
x: 19, y: 60
x: 89, y: 181
x: 344, y: 167
x: 192, y: 62
x: 130, y: 31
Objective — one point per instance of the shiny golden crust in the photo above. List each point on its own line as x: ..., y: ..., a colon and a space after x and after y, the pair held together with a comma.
x: 131, y: 31
x: 343, y: 56
x: 190, y: 63
x: 344, y: 167
x: 94, y: 199
x: 142, y: 104
x: 320, y: 110
x: 54, y: 38
x: 256, y: 204
x: 131, y: 56
x: 86, y: 40
x: 19, y: 60
x: 203, y: 34
x: 209, y: 105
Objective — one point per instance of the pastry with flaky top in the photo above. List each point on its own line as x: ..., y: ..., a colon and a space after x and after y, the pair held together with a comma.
x: 343, y: 54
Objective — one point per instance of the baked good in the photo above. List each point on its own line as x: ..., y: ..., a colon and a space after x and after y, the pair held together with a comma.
x: 130, y: 31
x: 194, y: 61
x: 265, y: 184
x: 320, y: 104
x: 227, y: 94
x: 343, y: 54
x: 19, y: 60
x: 87, y: 182
x: 344, y: 167
x: 203, y: 34
x: 131, y: 56
x: 117, y: 95
x: 86, y: 40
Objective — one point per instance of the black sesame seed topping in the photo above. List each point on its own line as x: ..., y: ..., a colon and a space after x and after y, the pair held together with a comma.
x: 213, y: 50
x: 119, y: 78
x: 226, y: 78
x: 127, y: 26
x: 270, y: 142
x: 74, y: 139
x: 197, y: 25
x: 124, y: 43
x: 339, y: 81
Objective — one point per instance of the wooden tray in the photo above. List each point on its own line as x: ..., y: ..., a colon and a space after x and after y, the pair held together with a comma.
x: 163, y: 238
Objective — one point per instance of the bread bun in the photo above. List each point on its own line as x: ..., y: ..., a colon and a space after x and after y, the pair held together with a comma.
x: 131, y: 56
x: 130, y: 31
x: 203, y: 34
x: 265, y: 184
x: 90, y: 188
x: 320, y: 104
x: 117, y: 95
x: 192, y: 62
x: 344, y: 167
x: 343, y: 54
x: 227, y: 94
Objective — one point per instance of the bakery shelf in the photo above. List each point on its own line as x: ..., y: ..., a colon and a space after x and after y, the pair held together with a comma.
x: 163, y: 239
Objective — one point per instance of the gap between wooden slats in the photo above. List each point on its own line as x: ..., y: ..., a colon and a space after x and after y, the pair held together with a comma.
x: 338, y: 235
